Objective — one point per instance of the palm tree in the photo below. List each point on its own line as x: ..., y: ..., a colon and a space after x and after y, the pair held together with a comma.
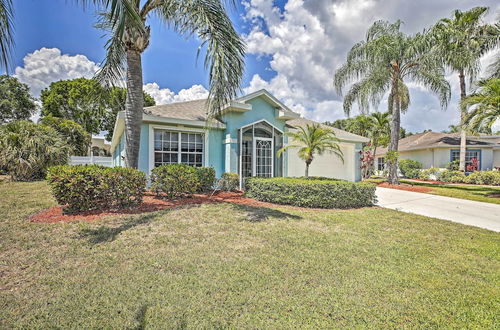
x: 6, y: 33
x: 382, y: 63
x: 381, y: 127
x: 126, y: 20
x: 311, y: 140
x: 463, y: 40
x: 485, y: 103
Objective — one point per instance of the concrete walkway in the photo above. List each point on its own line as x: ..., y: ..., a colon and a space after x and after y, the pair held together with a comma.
x: 479, y: 214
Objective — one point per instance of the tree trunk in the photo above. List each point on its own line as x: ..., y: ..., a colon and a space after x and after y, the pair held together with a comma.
x: 133, y: 108
x: 307, y: 169
x: 393, y: 146
x: 463, y: 113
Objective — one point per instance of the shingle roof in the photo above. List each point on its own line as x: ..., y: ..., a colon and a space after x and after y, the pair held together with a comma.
x: 197, y: 110
x: 433, y: 140
x: 341, y: 134
x: 189, y: 110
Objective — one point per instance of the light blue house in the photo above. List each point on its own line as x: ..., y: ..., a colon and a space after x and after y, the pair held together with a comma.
x: 244, y: 139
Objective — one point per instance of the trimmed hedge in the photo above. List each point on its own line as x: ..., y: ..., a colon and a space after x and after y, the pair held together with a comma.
x: 90, y: 187
x: 451, y: 176
x: 206, y: 178
x: 229, y: 181
x: 311, y: 193
x: 175, y: 180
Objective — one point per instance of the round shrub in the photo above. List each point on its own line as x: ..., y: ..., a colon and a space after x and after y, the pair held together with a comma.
x: 429, y: 174
x: 451, y: 176
x: 28, y: 149
x: 91, y: 187
x: 409, y: 168
x: 175, y: 180
x: 484, y: 177
x: 311, y: 193
x: 229, y: 181
x: 206, y: 178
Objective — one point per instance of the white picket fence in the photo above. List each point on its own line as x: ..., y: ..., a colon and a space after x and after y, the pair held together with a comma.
x: 88, y: 160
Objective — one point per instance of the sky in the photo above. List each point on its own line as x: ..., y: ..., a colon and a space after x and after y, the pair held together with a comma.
x: 293, y: 50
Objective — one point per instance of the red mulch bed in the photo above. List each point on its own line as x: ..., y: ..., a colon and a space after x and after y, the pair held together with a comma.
x: 430, y: 181
x: 406, y: 187
x: 150, y: 203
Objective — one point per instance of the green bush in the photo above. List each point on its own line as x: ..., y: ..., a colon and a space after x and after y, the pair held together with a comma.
x: 206, y: 178
x: 317, y: 178
x: 90, y: 187
x: 453, y: 166
x: 409, y: 168
x: 484, y: 177
x: 28, y: 149
x: 175, y: 180
x: 426, y: 174
x: 311, y: 193
x: 75, y: 136
x: 451, y: 176
x: 229, y: 181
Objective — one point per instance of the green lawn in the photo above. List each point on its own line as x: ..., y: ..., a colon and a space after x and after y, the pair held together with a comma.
x: 473, y: 193
x: 214, y: 266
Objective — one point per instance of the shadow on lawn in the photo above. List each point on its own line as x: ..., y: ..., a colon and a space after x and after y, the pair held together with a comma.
x: 258, y: 214
x: 104, y: 233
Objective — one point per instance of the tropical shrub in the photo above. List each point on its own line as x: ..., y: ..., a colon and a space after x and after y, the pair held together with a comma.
x: 229, y: 181
x: 28, y: 149
x: 428, y: 174
x: 409, y: 168
x: 175, y: 180
x: 451, y: 176
x: 206, y: 178
x: 75, y: 136
x: 311, y: 193
x: 90, y: 187
x: 484, y: 177
x: 453, y: 165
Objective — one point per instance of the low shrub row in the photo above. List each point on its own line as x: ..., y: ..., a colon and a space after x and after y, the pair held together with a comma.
x: 478, y: 177
x: 90, y: 187
x: 311, y: 193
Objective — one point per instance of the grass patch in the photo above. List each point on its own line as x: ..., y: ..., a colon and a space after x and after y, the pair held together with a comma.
x: 470, y: 192
x: 225, y: 265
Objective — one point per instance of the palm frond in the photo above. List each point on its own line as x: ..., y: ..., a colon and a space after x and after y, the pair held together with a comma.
x: 225, y: 50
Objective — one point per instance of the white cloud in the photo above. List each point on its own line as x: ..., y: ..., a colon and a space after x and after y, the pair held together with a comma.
x: 165, y: 95
x: 47, y: 65
x: 308, y: 40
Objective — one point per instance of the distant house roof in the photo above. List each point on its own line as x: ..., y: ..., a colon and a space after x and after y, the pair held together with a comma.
x: 436, y: 140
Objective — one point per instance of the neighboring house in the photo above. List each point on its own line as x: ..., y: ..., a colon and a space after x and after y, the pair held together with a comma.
x: 434, y: 149
x: 100, y: 147
x: 244, y: 139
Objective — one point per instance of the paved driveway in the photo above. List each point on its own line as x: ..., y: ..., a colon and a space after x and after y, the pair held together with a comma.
x: 479, y: 214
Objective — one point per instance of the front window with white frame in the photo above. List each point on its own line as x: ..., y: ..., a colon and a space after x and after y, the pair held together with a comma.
x: 380, y: 163
x: 172, y: 147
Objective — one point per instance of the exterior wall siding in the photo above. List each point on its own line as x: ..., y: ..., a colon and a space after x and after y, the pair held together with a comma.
x: 496, y: 158
x: 327, y: 165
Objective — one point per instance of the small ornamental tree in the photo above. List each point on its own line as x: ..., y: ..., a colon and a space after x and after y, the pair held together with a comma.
x: 74, y: 134
x: 16, y: 103
x: 366, y: 163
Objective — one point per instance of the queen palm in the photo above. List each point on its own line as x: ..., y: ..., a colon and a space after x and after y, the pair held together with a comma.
x: 381, y: 128
x: 485, y: 105
x: 462, y: 41
x: 6, y: 35
x: 384, y: 62
x: 126, y: 20
x: 311, y: 140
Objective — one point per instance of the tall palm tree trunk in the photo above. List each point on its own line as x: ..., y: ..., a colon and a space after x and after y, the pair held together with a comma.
x: 463, y: 115
x: 393, y: 146
x: 133, y: 108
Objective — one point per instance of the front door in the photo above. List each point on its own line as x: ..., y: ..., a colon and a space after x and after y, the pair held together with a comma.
x: 263, y: 157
